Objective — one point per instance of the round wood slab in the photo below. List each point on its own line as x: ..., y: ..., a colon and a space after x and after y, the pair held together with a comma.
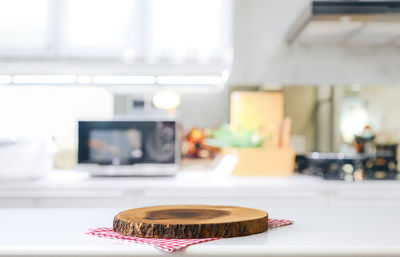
x: 190, y: 221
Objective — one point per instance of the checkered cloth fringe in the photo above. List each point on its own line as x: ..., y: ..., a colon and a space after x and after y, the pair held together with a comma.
x: 168, y: 245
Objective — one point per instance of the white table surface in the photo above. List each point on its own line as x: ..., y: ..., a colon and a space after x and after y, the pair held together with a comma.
x: 316, y: 232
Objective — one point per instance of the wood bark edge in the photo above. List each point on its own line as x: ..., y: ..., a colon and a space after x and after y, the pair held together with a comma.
x: 190, y: 231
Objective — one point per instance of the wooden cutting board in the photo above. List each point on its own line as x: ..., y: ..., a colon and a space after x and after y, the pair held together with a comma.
x: 190, y: 221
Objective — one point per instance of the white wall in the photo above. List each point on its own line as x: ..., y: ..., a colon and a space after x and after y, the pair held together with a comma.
x: 200, y: 107
x: 262, y: 56
x: 50, y: 110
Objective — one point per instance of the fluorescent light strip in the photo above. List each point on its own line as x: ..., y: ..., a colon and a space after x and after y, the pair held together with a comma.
x: 189, y: 80
x: 138, y: 80
x: 5, y: 79
x: 44, y: 79
x: 84, y: 79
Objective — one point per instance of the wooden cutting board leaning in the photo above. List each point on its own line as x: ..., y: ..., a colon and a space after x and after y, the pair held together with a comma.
x: 190, y: 221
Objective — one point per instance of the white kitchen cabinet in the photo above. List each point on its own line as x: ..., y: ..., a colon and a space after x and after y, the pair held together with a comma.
x: 199, y: 188
x: 249, y: 198
x: 16, y: 203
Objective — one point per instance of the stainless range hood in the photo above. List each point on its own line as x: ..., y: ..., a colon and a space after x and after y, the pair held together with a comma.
x: 348, y: 23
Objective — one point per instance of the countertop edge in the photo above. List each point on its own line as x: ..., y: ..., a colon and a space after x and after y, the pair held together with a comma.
x: 200, y: 250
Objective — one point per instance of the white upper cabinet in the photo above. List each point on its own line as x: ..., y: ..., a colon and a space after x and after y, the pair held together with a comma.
x: 96, y: 28
x: 187, y: 28
x: 145, y: 30
x: 25, y: 28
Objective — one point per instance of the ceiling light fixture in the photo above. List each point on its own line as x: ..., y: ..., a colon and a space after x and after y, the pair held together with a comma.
x: 44, y: 79
x: 5, y: 79
x: 189, y: 80
x: 84, y: 79
x: 135, y: 80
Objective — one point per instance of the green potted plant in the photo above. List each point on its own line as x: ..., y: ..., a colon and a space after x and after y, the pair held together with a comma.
x: 255, y: 157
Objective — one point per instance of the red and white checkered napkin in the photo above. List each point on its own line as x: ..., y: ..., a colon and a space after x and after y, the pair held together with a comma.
x: 168, y: 245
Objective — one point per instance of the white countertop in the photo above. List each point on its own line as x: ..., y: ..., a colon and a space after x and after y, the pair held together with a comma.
x: 204, y: 179
x: 316, y: 232
x: 74, y: 189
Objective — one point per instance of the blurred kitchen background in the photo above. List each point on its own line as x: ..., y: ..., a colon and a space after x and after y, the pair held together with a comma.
x: 325, y: 74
